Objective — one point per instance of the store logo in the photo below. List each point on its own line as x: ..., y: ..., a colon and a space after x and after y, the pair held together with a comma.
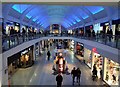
x: 94, y: 50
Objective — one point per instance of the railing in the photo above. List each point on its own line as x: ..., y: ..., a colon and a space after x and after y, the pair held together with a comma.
x: 11, y: 41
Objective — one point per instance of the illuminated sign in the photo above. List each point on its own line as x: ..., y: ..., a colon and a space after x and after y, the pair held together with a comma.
x: 94, y: 50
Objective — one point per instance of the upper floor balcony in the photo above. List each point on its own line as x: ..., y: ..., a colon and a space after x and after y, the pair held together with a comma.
x: 12, y: 41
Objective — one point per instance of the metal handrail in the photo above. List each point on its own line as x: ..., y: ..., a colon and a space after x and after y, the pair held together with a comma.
x: 11, y: 41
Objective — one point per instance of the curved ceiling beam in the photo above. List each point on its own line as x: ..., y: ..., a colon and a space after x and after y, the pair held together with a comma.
x: 79, y: 16
x: 41, y: 12
x: 109, y: 12
x: 88, y: 13
x: 27, y: 11
x: 7, y: 9
x: 67, y: 22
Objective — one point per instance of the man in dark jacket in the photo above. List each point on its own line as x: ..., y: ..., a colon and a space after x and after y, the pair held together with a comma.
x: 74, y: 74
x: 48, y: 54
x: 12, y: 31
x: 59, y: 80
x: 78, y: 75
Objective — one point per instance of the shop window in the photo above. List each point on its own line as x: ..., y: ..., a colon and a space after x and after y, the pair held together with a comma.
x: 111, y: 72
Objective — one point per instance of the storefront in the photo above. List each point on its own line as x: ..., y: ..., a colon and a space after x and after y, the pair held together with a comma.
x: 22, y: 59
x: 17, y: 27
x: 8, y: 25
x: 25, y: 27
x: 116, y: 27
x: 72, y: 45
x: 13, y: 63
x: 41, y: 47
x: 111, y: 72
x: 26, y: 59
x: 79, y: 49
x: 97, y: 59
x: 88, y: 57
x: 97, y: 28
x: 104, y: 27
x: 55, y: 29
x: 70, y: 32
x: 36, y: 50
x: 81, y: 31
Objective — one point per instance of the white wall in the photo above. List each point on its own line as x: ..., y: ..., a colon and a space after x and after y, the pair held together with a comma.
x: 86, y: 53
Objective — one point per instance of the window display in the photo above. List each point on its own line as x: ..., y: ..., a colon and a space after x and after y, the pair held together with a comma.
x: 17, y: 27
x: 89, y: 61
x: 26, y: 58
x: 80, y: 49
x: 36, y: 50
x: 98, y: 61
x: 111, y: 72
x: 71, y: 46
x: 8, y: 27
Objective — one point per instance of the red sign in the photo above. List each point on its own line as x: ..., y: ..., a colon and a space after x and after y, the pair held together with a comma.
x: 94, y: 50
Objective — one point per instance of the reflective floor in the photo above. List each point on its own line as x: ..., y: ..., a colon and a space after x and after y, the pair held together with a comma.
x: 41, y: 72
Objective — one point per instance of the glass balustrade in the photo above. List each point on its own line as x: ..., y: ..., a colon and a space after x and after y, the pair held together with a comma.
x: 11, y: 41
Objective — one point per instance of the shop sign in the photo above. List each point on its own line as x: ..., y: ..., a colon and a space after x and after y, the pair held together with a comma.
x: 24, y: 52
x: 106, y: 23
x: 94, y: 50
x: 79, y: 44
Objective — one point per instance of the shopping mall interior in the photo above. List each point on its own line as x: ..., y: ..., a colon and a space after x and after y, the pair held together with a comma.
x: 41, y: 40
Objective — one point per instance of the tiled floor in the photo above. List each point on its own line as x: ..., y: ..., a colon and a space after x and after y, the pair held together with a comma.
x: 41, y: 72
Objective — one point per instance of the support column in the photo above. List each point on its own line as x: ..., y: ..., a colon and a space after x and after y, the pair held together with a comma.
x: 38, y: 48
x: 92, y: 64
x: 103, y: 68
x: 84, y: 29
x: 34, y: 52
x: 75, y: 47
x: 110, y: 23
x: 1, y: 59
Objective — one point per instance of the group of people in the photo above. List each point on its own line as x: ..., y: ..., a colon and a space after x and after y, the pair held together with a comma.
x: 95, y: 73
x: 76, y: 73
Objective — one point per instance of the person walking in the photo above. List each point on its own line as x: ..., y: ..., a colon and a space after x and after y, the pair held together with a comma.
x: 109, y: 33
x: 23, y: 34
x: 48, y: 54
x: 74, y: 74
x: 94, y: 72
x: 59, y: 80
x: 78, y: 75
x: 101, y: 74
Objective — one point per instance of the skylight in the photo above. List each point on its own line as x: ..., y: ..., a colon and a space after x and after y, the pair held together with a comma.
x: 20, y: 8
x: 95, y: 9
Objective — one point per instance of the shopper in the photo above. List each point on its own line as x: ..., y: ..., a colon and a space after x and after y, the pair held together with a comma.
x: 110, y: 33
x: 12, y: 31
x: 74, y: 74
x: 48, y: 54
x: 101, y: 74
x: 94, y: 72
x: 59, y: 80
x: 23, y: 31
x: 78, y: 75
x: 23, y: 34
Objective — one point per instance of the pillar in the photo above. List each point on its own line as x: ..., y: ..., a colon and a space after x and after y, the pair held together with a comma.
x: 84, y: 29
x: 110, y: 24
x: 1, y: 54
x: 103, y: 68
x: 34, y: 52
x: 92, y: 64
x: 75, y: 47
x: 38, y: 48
